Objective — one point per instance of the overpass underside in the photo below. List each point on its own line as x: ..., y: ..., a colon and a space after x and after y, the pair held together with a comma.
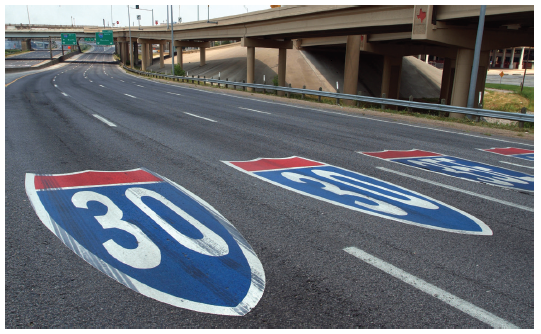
x: 392, y: 32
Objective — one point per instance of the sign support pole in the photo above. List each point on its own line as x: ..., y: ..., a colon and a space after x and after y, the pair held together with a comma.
x: 476, y: 53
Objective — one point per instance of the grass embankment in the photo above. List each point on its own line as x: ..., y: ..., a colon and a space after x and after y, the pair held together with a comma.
x: 512, y: 102
x: 14, y: 52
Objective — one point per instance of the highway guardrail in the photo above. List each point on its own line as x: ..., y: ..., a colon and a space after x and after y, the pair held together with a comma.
x: 375, y: 100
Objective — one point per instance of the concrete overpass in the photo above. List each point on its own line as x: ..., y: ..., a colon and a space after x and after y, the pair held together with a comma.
x: 26, y: 32
x: 391, y: 31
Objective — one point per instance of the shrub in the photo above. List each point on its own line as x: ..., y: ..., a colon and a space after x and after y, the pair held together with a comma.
x: 179, y: 71
x: 275, y: 80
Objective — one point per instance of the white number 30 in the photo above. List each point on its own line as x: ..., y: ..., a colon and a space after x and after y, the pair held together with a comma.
x: 147, y: 255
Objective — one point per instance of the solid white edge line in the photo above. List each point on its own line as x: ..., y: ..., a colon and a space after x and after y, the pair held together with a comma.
x: 104, y: 120
x: 518, y: 206
x: 337, y: 113
x: 263, y: 112
x: 505, y: 162
x: 450, y: 299
x: 208, y: 119
x: 130, y: 96
x: 174, y: 93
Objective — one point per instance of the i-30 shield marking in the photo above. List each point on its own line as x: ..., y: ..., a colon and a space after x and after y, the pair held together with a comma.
x: 153, y: 236
x: 360, y: 192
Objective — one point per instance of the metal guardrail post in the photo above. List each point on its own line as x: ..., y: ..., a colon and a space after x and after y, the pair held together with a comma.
x: 337, y: 99
x: 243, y: 87
x: 319, y: 96
x: 442, y: 113
x: 411, y: 100
x: 288, y: 93
x: 522, y: 111
x: 226, y: 79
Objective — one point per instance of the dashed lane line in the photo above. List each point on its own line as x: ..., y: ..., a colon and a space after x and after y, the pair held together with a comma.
x: 104, y: 120
x: 505, y: 162
x: 64, y: 94
x: 263, y: 112
x: 174, y: 93
x: 208, y: 119
x: 518, y: 206
x: 450, y: 299
x: 130, y: 96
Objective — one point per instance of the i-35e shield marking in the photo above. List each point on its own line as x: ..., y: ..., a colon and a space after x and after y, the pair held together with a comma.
x: 460, y: 168
x: 153, y: 236
x: 512, y: 152
x: 360, y: 192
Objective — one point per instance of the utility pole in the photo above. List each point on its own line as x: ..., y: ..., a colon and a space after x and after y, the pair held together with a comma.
x: 197, y: 12
x: 28, y: 12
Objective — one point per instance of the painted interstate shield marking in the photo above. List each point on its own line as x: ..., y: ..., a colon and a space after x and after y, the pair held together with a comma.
x: 461, y: 168
x: 153, y: 236
x: 512, y: 152
x: 360, y: 192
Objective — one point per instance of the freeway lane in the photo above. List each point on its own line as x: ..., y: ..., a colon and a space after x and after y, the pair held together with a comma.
x: 310, y: 280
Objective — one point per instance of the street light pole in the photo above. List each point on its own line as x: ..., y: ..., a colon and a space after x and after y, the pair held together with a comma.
x: 131, y: 46
x: 172, y: 46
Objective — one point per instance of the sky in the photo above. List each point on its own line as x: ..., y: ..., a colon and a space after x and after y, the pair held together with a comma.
x: 95, y: 14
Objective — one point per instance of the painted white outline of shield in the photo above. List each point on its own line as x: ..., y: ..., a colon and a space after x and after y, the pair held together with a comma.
x: 485, y: 230
x: 257, y: 285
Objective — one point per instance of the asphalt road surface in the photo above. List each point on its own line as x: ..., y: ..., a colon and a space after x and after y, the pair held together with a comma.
x: 325, y: 265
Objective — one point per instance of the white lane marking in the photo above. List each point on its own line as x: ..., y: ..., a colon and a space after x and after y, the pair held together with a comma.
x: 64, y: 94
x: 56, y: 86
x: 90, y: 80
x: 140, y: 86
x: 104, y: 120
x: 504, y: 162
x: 518, y: 206
x: 130, y: 96
x: 54, y: 79
x: 208, y: 119
x: 454, y: 301
x: 102, y: 86
x: 122, y: 80
x: 263, y: 112
x: 339, y: 113
x: 174, y: 93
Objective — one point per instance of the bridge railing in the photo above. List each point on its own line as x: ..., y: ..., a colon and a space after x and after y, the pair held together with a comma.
x: 374, y: 100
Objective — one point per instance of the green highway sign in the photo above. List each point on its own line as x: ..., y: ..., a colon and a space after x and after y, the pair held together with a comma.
x: 69, y: 39
x: 89, y: 39
x: 104, y: 38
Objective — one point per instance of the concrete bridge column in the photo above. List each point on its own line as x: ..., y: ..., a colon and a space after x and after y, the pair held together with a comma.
x: 116, y: 47
x: 179, y: 57
x: 484, y: 60
x: 351, y: 69
x: 512, y: 60
x: 390, y: 82
x: 282, y: 57
x: 26, y: 45
x: 135, y: 53
x: 201, y: 56
x: 448, y: 75
x: 150, y: 54
x: 250, y: 60
x: 200, y: 45
x: 171, y: 53
x: 521, y: 59
x: 461, y: 83
x: 126, y: 48
x: 503, y: 58
x: 144, y: 56
x: 122, y: 52
x: 161, y: 55
x: 282, y: 46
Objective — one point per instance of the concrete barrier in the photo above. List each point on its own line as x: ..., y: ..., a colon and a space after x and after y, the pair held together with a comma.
x: 55, y: 61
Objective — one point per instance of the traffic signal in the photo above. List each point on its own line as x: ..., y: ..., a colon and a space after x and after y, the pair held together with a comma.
x: 136, y: 6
